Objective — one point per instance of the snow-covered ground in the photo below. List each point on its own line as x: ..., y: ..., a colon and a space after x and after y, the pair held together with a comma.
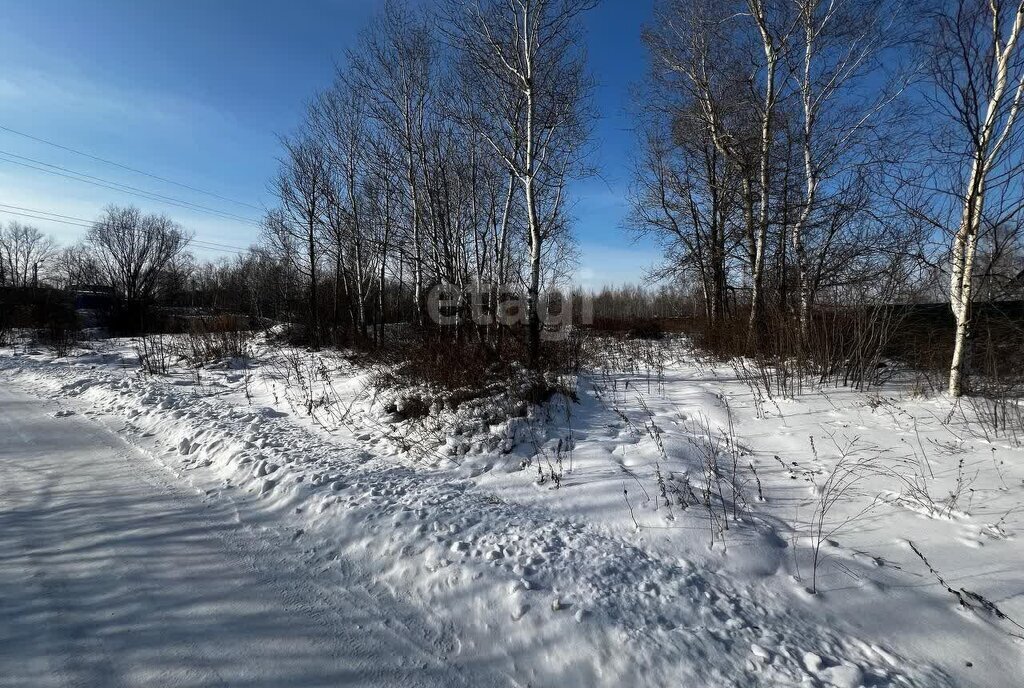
x: 660, y: 531
x: 115, y: 573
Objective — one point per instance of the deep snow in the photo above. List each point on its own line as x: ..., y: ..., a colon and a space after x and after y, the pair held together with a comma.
x: 601, y: 580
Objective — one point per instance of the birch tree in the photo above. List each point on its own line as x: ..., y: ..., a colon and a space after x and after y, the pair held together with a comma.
x: 523, y: 63
x: 844, y: 94
x: 393, y: 68
x: 772, y: 44
x: 338, y: 120
x: 977, y: 69
x: 727, y: 58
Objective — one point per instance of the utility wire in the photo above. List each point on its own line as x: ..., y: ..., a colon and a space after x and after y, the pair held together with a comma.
x: 197, y: 243
x: 46, y: 212
x: 90, y: 223
x: 203, y: 243
x: 37, y: 217
x: 128, y: 168
x: 117, y: 186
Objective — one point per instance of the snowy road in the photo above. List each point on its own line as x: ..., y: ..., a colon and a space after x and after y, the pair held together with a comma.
x: 111, y: 574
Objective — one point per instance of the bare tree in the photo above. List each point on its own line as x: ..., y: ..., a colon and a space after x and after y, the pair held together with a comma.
x: 977, y: 70
x: 384, y: 196
x: 410, y: 170
x: 133, y: 250
x: 393, y: 68
x: 727, y: 57
x: 684, y: 196
x: 999, y: 274
x: 300, y: 187
x: 337, y: 118
x: 24, y: 251
x: 77, y: 265
x: 530, y: 89
x: 771, y: 29
x: 841, y: 49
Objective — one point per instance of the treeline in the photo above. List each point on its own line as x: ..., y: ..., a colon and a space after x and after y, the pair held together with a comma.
x: 799, y: 155
x: 137, y: 265
x: 804, y: 163
x: 439, y: 155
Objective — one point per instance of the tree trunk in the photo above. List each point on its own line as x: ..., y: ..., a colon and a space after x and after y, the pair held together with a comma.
x: 314, y: 303
x: 337, y: 288
x: 757, y: 276
x: 964, y: 245
x: 988, y: 144
x: 533, y: 293
x: 417, y: 267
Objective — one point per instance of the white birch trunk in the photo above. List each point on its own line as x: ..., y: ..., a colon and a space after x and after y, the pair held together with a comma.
x: 988, y: 144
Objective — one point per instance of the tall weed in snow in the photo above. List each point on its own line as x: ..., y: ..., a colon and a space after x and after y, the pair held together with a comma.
x: 844, y: 345
x: 722, y: 484
x: 306, y: 380
x: 853, y: 466
x: 630, y: 371
x: 153, y: 353
x: 970, y: 600
x: 997, y: 387
x: 59, y: 337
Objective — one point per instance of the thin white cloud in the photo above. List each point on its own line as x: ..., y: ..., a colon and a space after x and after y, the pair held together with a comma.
x: 25, y: 90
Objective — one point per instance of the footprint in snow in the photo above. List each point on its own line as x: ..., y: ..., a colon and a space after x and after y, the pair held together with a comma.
x: 64, y: 413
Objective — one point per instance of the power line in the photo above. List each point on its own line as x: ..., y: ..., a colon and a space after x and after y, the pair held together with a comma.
x: 41, y: 215
x: 202, y: 243
x: 114, y: 186
x: 46, y: 212
x: 37, y: 217
x: 124, y: 188
x: 130, y: 169
x: 90, y: 223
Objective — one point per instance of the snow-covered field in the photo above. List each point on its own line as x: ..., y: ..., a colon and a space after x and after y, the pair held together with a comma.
x: 661, y: 530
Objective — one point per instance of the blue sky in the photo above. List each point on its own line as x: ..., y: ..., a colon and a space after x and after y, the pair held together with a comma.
x: 197, y: 91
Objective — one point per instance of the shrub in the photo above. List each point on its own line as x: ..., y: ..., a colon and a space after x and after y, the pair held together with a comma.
x: 996, y: 378
x: 59, y: 338
x: 153, y: 354
x: 59, y: 332
x: 646, y: 329
x: 215, y: 339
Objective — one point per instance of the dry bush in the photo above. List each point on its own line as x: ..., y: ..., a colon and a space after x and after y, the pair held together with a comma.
x: 58, y: 330
x: 308, y: 383
x: 846, y: 345
x: 6, y: 330
x: 995, y: 383
x: 634, y: 328
x: 449, y: 359
x: 488, y: 382
x: 853, y: 466
x: 59, y: 338
x: 153, y: 353
x: 467, y: 365
x: 215, y: 339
